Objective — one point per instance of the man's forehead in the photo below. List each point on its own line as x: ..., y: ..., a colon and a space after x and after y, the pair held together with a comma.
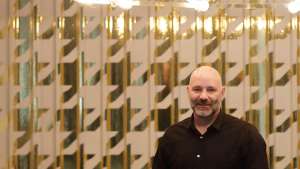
x: 206, y: 86
x: 206, y: 72
x: 205, y: 81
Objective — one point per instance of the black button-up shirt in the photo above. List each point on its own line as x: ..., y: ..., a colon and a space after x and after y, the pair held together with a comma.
x: 229, y: 143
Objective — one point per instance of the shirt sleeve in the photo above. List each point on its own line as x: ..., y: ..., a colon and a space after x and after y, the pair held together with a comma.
x: 160, y: 158
x: 254, y: 150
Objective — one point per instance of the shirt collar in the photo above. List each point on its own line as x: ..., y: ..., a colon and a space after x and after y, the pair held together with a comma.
x: 217, y: 124
x: 219, y: 121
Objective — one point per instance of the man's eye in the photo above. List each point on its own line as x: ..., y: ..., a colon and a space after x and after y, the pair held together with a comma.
x: 211, y: 89
x: 197, y: 89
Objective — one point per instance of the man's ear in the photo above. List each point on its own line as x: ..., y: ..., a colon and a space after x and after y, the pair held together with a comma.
x: 188, y: 89
x: 223, y: 92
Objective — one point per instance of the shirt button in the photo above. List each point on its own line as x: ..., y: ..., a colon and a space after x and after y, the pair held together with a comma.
x: 201, y: 137
x: 198, y: 155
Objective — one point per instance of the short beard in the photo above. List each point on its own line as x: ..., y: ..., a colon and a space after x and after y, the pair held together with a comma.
x: 214, y: 105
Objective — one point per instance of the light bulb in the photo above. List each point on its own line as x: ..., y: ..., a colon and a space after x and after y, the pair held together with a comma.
x: 199, y: 5
x: 90, y: 2
x: 124, y: 4
x: 294, y: 6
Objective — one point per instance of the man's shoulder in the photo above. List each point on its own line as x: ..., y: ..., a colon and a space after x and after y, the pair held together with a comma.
x: 181, y: 124
x: 178, y: 128
x: 239, y: 123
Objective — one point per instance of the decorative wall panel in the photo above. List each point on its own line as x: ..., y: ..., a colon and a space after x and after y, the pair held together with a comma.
x: 96, y: 86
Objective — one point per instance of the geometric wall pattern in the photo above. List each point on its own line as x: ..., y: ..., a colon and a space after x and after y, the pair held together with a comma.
x: 94, y: 87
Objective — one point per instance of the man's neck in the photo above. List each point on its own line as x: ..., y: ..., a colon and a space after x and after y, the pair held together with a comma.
x: 202, y: 123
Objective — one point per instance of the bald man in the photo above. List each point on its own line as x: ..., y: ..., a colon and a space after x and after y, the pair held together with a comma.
x: 210, y: 139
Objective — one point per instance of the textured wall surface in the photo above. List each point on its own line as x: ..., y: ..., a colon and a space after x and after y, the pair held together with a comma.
x: 96, y: 86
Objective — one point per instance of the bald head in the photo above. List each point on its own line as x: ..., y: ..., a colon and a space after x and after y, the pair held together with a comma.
x: 206, y: 92
x: 206, y: 72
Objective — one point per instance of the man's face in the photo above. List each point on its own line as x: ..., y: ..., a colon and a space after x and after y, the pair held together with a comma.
x: 206, y: 93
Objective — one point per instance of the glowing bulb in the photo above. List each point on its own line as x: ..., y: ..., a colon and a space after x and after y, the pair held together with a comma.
x: 124, y: 4
x: 271, y: 24
x: 151, y: 23
x: 162, y: 25
x: 109, y: 24
x: 120, y: 24
x: 17, y: 23
x: 199, y: 5
x: 239, y: 27
x: 247, y: 23
x: 90, y: 2
x: 294, y: 6
x: 38, y: 27
x: 223, y: 25
x: 175, y: 25
x: 130, y: 23
x: 294, y: 23
x: 199, y: 23
x: 261, y: 23
x: 84, y: 22
x: 208, y: 25
x: 183, y: 19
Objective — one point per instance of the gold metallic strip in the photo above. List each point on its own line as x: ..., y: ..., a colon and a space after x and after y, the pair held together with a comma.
x: 298, y: 82
x: 202, y: 39
x: 226, y: 66
x: 269, y: 110
x: 11, y: 111
x: 33, y: 105
x: 125, y: 75
x: 61, y: 114
x: 14, y: 14
x: 155, y: 67
x: 16, y: 74
x: 149, y: 65
x: 109, y: 82
x: 272, y: 129
x: 6, y: 83
x: 82, y: 109
x: 219, y: 66
x: 102, y: 114
x: 56, y: 30
x: 61, y: 97
x: 290, y: 75
x: 267, y: 77
x: 245, y: 52
x: 79, y: 84
x: 249, y: 67
x: 196, y: 34
x: 172, y: 64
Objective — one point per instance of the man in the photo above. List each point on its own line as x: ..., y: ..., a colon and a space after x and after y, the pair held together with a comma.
x: 210, y: 139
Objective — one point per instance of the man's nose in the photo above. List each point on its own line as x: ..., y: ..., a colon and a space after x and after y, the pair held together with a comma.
x: 203, y: 95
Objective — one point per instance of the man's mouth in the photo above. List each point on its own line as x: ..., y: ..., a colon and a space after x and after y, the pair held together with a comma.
x: 203, y: 106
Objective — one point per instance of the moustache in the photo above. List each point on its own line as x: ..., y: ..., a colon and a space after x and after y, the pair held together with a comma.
x: 201, y: 102
x: 204, y: 102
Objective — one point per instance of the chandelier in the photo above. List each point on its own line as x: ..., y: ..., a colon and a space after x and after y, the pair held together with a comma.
x: 293, y: 6
x: 199, y: 5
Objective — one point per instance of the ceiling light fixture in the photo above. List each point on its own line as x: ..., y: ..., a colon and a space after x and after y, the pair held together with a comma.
x: 91, y: 2
x: 199, y: 5
x: 294, y: 6
x: 124, y: 4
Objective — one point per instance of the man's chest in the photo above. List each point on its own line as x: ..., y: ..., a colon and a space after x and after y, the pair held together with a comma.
x: 206, y: 153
